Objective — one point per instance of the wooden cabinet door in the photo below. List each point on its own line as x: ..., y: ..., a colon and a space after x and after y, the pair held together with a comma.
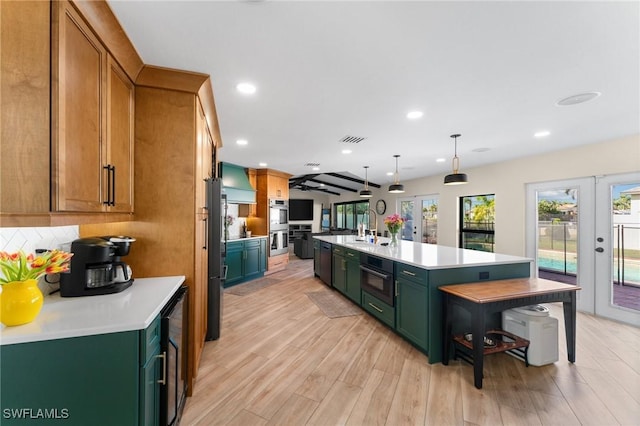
x: 120, y: 119
x: 78, y: 75
x: 199, y: 292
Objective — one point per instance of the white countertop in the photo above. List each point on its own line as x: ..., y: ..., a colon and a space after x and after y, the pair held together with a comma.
x: 63, y: 317
x: 427, y: 256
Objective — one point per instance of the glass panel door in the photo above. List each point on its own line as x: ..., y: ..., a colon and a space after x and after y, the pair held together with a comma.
x: 617, y: 252
x: 407, y: 213
x: 559, y: 234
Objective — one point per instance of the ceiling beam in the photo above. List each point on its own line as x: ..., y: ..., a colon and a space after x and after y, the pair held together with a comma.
x: 346, y: 188
x: 301, y: 180
x: 349, y: 178
x: 303, y: 187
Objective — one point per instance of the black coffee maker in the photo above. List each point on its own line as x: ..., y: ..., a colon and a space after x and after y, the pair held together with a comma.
x: 97, y: 267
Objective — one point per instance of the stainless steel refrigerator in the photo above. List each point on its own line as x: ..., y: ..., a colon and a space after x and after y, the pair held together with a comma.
x: 217, y: 207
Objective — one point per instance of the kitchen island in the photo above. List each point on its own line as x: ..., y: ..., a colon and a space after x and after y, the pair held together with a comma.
x: 87, y: 360
x: 415, y: 307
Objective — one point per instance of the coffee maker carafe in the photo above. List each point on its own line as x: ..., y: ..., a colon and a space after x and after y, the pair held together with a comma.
x: 96, y: 267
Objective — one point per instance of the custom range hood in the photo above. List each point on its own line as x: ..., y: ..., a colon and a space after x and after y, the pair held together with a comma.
x: 235, y: 184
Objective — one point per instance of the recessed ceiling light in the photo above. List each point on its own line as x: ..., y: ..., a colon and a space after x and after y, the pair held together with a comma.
x: 322, y: 184
x: 440, y: 160
x: 242, y: 142
x: 315, y: 169
x: 389, y: 173
x: 246, y: 88
x: 542, y: 134
x: 346, y: 151
x: 414, y: 115
x: 578, y: 99
x: 262, y: 164
x: 481, y: 149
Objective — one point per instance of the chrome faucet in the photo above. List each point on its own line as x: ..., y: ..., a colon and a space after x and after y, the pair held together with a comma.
x: 375, y: 222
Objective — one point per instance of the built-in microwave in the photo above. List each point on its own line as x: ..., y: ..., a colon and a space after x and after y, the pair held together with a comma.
x: 278, y: 215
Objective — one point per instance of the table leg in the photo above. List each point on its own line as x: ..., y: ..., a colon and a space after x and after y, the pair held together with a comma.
x: 478, y: 330
x: 570, y: 325
x: 446, y: 343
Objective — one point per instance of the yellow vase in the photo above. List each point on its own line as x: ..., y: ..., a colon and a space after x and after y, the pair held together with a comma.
x: 20, y: 302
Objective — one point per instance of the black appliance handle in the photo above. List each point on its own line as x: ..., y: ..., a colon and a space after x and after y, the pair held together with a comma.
x: 225, y: 268
x: 376, y: 273
x: 206, y: 233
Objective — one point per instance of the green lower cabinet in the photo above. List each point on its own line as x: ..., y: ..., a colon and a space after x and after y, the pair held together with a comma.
x: 346, y: 272
x: 412, y: 319
x: 339, y: 271
x: 245, y: 260
x: 76, y: 381
x: 251, y: 259
x: 150, y: 391
x: 353, y: 280
x: 233, y: 260
x: 379, y: 309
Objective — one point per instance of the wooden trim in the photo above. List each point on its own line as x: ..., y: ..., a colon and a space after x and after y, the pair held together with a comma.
x: 205, y: 94
x: 60, y: 219
x: 171, y: 79
x: 262, y: 172
x: 99, y: 16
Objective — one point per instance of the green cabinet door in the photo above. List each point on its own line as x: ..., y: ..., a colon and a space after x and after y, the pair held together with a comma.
x: 150, y: 390
x: 353, y: 280
x: 263, y: 254
x: 75, y: 381
x: 412, y: 312
x: 339, y: 268
x: 233, y: 261
x: 251, y: 259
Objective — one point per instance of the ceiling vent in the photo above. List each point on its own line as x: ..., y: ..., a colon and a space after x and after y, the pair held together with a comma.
x: 352, y: 139
x: 312, y: 164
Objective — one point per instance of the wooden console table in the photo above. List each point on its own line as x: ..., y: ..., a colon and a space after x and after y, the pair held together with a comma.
x: 488, y: 297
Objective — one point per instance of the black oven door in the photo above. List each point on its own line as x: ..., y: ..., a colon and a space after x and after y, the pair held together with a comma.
x: 377, y: 283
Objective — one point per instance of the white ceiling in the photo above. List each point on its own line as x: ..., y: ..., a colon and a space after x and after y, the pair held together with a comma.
x: 492, y: 71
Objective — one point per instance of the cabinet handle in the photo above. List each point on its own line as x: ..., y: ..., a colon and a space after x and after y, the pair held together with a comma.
x: 107, y: 202
x: 375, y: 307
x: 350, y: 254
x: 397, y: 289
x: 408, y: 273
x: 113, y: 185
x: 206, y: 233
x: 163, y: 381
x: 344, y: 266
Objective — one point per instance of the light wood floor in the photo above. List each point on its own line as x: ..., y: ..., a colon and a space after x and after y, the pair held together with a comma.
x: 281, y: 361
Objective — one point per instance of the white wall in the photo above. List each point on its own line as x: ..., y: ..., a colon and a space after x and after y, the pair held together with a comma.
x: 319, y: 199
x: 507, y: 181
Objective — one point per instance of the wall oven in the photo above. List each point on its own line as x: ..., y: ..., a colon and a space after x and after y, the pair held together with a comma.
x: 376, y: 277
x: 279, y: 242
x: 278, y: 214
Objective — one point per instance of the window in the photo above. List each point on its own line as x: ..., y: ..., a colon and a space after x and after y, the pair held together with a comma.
x: 477, y: 218
x: 350, y: 214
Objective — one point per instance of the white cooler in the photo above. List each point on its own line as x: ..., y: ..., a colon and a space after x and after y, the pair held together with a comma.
x: 534, y: 324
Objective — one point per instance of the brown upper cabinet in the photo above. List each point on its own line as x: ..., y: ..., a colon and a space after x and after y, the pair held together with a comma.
x: 66, y: 151
x: 92, y: 125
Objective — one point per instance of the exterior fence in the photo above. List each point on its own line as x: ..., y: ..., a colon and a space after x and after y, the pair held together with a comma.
x: 558, y: 250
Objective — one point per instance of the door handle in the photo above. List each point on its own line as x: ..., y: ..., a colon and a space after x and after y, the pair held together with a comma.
x: 599, y: 249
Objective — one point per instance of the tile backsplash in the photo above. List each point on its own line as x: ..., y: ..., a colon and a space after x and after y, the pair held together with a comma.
x: 30, y: 239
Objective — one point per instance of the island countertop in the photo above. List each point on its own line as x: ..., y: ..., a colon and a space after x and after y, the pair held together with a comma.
x: 63, y: 317
x: 422, y: 255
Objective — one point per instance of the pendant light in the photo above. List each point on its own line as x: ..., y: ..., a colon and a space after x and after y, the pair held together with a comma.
x: 396, y: 188
x: 366, y: 192
x: 455, y: 178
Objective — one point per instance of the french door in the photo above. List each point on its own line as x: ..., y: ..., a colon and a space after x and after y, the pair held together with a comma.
x: 421, y: 218
x: 587, y: 232
x: 617, y: 252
